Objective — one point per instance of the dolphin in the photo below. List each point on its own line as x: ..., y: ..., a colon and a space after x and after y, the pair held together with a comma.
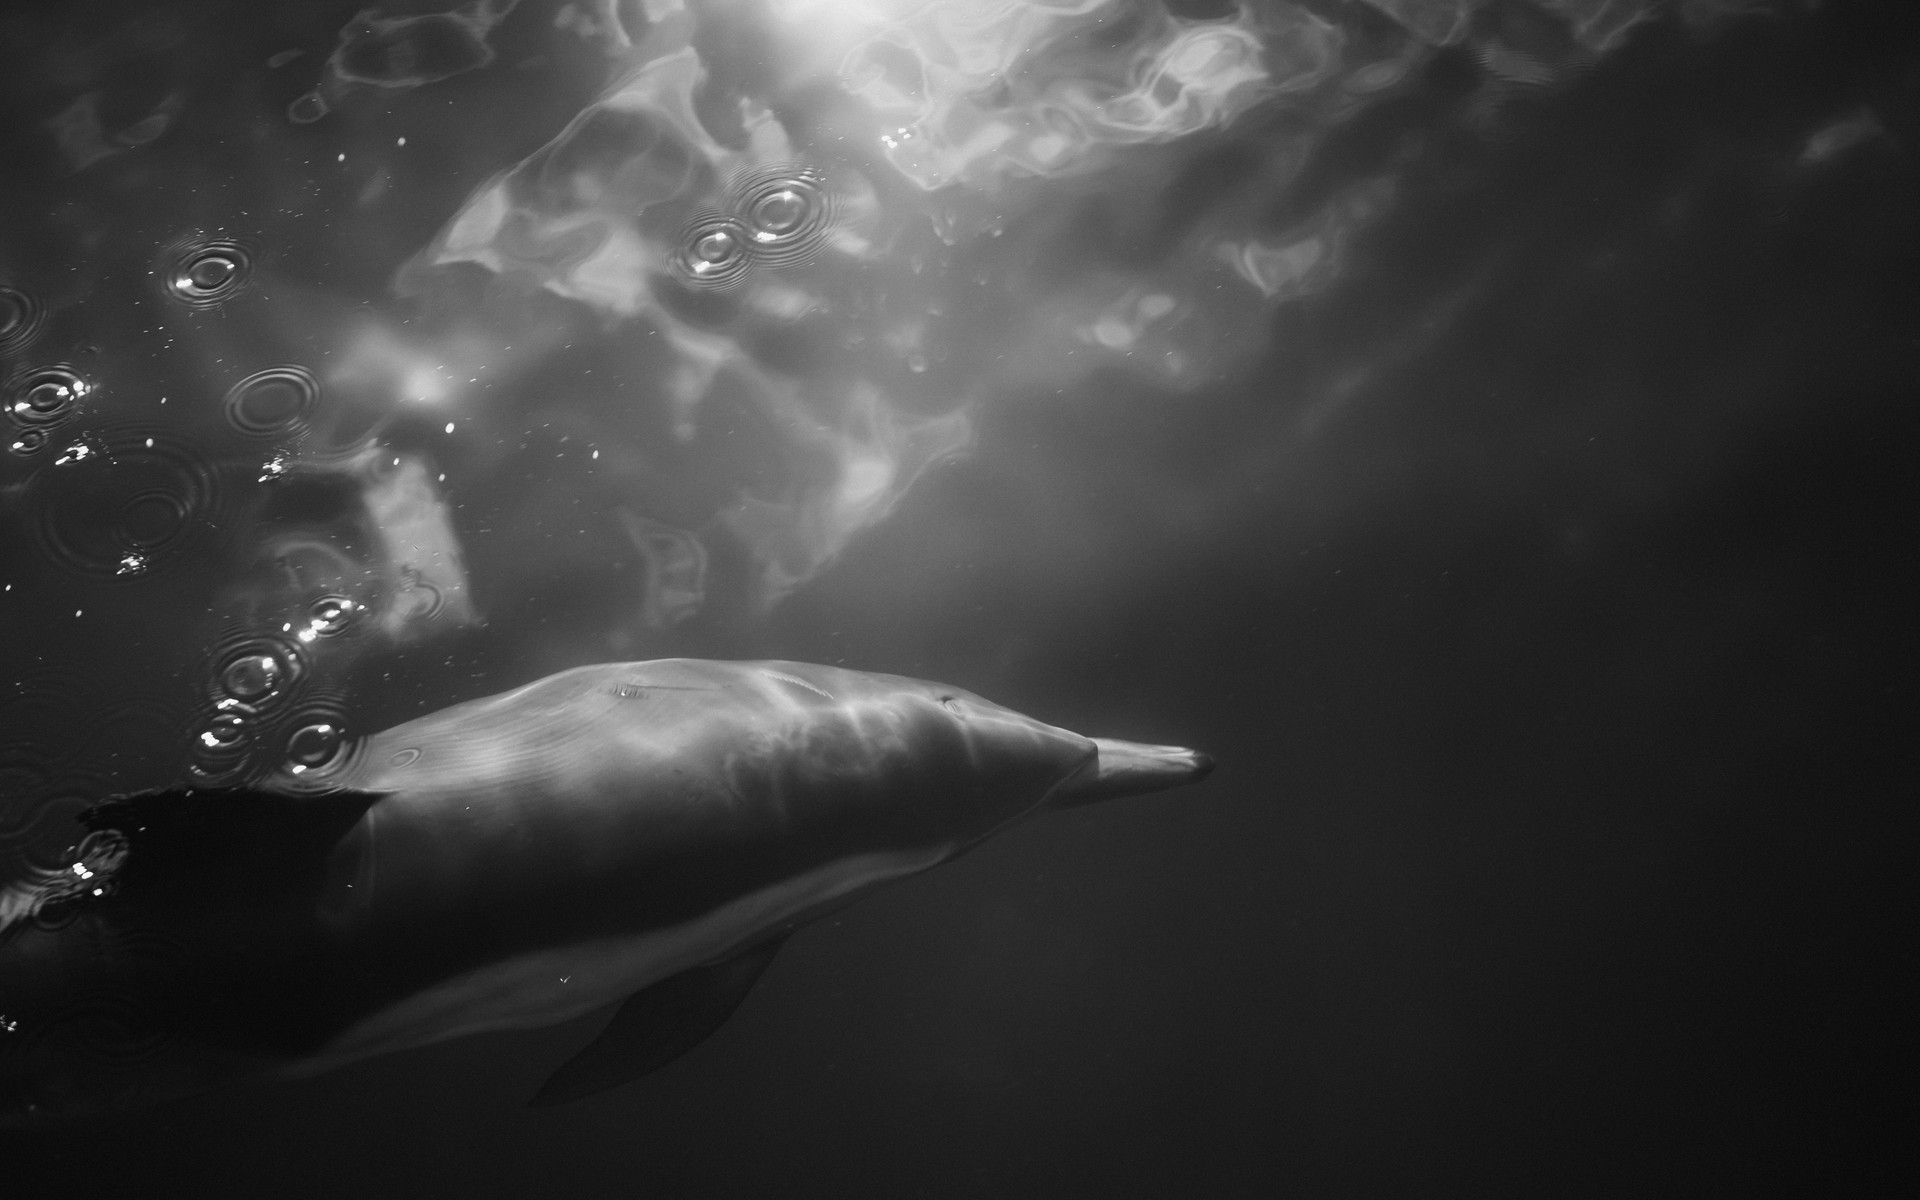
x: 646, y: 833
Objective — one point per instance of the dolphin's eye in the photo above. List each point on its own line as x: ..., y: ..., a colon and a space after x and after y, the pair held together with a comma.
x: 952, y: 705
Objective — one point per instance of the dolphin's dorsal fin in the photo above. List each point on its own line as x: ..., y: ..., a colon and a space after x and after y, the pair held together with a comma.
x: 658, y: 1024
x: 219, y: 841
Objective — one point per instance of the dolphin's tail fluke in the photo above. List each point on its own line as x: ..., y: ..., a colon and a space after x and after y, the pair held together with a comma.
x: 1129, y: 769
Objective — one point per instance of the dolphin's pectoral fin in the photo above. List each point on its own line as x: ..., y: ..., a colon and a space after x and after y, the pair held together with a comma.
x: 657, y: 1025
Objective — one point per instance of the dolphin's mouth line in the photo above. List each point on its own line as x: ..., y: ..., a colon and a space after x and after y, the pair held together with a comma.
x: 1120, y: 768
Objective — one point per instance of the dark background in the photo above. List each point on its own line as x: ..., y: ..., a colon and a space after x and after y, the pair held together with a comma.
x: 1563, y: 833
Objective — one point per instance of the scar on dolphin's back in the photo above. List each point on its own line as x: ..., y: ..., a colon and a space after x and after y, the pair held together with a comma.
x: 800, y: 683
x: 638, y: 691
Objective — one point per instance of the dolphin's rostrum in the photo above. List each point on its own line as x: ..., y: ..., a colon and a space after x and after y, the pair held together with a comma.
x: 640, y: 830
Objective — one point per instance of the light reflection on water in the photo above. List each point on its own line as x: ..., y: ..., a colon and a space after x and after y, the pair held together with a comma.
x: 840, y: 225
x: 518, y: 334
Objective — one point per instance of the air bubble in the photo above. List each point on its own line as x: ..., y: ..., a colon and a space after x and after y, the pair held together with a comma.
x: 787, y: 211
x: 250, y: 676
x: 256, y: 671
x: 81, y: 450
x: 253, y: 689
x: 56, y: 884
x: 272, y: 403
x: 211, y: 273
x: 307, y: 109
x: 21, y: 317
x: 101, y: 853
x: 712, y: 252
x: 207, y: 275
x: 776, y: 214
x: 223, y: 733
x: 313, y: 747
x: 27, y: 442
x: 318, y: 751
x: 206, y: 272
x: 45, y: 397
x: 330, y: 615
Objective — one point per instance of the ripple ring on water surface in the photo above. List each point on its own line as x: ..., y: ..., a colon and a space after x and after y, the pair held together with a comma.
x: 787, y: 212
x: 109, y: 1028
x: 274, y: 402
x: 206, y: 272
x: 713, y: 251
x: 316, y: 750
x: 257, y: 671
x: 45, y: 397
x: 21, y: 318
x: 248, y: 695
x: 414, y: 600
x: 141, y: 504
x: 308, y: 107
x: 35, y: 834
x: 223, y: 743
x: 331, y: 615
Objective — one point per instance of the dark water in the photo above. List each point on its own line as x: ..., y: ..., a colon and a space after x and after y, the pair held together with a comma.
x: 1487, y: 428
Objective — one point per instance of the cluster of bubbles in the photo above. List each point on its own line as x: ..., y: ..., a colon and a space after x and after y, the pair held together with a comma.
x: 116, y: 503
x: 205, y: 272
x: 772, y: 217
x: 114, y: 500
x: 40, y: 400
x: 257, y: 715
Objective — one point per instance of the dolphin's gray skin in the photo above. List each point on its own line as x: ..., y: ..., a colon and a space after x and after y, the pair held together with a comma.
x: 645, y: 830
